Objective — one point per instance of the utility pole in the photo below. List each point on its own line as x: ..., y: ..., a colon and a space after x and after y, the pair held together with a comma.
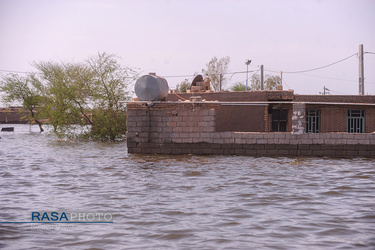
x: 361, y: 71
x: 324, y: 91
x: 221, y: 78
x: 281, y: 73
x: 247, y: 71
x: 261, y: 78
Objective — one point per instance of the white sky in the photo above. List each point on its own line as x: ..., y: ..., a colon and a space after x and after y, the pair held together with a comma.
x: 174, y: 38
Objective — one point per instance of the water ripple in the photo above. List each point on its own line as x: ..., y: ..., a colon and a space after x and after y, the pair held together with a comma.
x: 183, y: 202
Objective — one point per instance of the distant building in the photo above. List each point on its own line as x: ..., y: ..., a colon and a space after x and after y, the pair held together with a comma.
x: 13, y: 115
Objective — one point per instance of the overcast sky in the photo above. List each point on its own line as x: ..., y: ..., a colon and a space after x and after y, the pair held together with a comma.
x: 177, y: 38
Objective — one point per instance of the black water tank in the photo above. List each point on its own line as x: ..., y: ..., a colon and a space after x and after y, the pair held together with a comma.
x: 151, y: 88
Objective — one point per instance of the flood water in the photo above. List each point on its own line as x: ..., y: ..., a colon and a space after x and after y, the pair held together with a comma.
x: 181, y: 202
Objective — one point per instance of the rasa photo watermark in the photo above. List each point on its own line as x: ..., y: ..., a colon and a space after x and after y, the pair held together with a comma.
x: 71, y: 217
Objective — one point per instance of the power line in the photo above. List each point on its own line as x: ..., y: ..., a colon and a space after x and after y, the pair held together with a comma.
x: 339, y: 92
x: 325, y: 66
x: 331, y: 78
x: 273, y: 71
x: 251, y: 75
x: 283, y: 81
x: 240, y: 72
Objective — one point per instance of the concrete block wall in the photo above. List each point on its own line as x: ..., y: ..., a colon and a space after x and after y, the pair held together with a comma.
x: 189, y: 128
x: 166, y: 125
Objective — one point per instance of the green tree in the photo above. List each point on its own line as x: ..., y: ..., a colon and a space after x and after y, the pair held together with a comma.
x: 86, y: 96
x: 270, y: 82
x: 22, y: 90
x: 183, y: 86
x: 217, y: 68
x: 66, y: 91
x: 79, y: 99
x: 239, y: 87
x: 108, y: 89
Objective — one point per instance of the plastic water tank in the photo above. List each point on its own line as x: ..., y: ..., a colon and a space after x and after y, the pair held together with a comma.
x: 151, y: 88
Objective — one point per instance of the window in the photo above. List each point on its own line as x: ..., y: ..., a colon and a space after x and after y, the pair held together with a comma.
x: 279, y: 119
x: 312, y: 121
x: 356, y: 121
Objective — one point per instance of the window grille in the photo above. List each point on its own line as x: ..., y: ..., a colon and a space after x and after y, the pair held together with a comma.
x: 279, y: 120
x: 356, y: 121
x: 312, y: 121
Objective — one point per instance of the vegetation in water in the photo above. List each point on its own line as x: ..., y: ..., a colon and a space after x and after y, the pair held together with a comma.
x: 74, y: 96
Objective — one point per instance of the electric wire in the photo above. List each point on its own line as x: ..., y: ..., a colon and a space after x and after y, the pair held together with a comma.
x: 236, y: 72
x: 338, y: 92
x: 283, y: 81
x: 331, y: 78
x: 325, y: 66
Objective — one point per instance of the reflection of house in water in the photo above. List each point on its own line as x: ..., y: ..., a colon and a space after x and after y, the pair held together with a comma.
x: 254, y: 123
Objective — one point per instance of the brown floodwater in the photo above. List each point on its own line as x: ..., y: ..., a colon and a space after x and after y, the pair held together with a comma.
x: 180, y: 202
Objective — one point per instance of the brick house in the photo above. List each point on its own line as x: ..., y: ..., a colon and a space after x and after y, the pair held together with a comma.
x: 270, y: 123
x: 272, y: 111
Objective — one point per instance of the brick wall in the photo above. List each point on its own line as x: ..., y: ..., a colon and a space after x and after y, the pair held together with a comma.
x: 335, y: 98
x: 189, y: 128
x: 334, y: 117
x: 242, y: 96
x: 13, y: 115
x: 370, y: 119
x: 240, y: 118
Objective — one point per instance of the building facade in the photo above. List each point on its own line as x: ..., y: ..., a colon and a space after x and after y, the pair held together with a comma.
x: 254, y: 123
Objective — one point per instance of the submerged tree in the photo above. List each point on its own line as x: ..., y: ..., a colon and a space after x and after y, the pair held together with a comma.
x: 86, y: 96
x: 108, y: 89
x: 88, y: 93
x: 216, y: 70
x: 23, y: 90
x: 64, y: 87
x: 78, y: 95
